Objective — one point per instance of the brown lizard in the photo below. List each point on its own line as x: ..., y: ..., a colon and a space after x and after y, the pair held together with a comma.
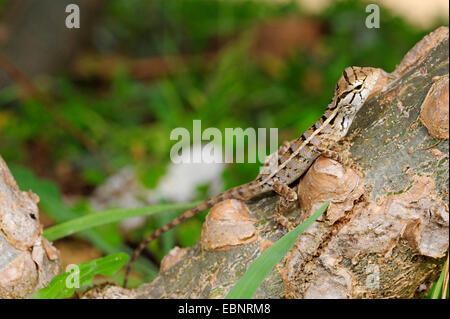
x: 292, y: 159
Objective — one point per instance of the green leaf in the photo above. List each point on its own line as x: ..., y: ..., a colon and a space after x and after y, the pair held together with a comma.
x: 436, y: 289
x: 106, y: 217
x: 59, y: 287
x: 247, y: 286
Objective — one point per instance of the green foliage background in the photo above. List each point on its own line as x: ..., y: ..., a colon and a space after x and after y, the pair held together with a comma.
x: 130, y: 120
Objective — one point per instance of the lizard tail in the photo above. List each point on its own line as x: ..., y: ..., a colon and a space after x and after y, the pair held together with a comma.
x: 232, y: 193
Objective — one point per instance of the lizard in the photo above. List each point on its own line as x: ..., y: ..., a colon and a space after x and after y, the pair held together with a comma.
x: 285, y: 166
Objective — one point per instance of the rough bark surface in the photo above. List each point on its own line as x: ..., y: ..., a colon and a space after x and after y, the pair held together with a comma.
x: 28, y: 262
x: 385, y: 234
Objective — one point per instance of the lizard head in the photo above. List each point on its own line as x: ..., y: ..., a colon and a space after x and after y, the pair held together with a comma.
x: 353, y: 88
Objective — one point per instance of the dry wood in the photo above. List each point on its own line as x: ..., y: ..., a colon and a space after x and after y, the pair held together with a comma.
x: 28, y: 262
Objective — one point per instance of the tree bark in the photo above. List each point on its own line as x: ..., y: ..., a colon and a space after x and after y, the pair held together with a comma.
x: 386, y: 232
x: 28, y: 262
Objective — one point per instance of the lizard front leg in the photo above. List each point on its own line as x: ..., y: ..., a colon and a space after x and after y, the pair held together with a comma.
x: 284, y: 204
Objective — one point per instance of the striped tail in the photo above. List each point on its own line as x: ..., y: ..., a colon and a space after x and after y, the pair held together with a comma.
x: 236, y: 192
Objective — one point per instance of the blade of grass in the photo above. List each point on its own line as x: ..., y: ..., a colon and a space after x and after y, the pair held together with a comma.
x: 58, y: 287
x: 437, y: 287
x: 109, y: 216
x: 247, y: 286
x: 445, y: 284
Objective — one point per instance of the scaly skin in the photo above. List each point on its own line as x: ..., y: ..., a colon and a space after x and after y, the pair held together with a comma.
x: 291, y: 161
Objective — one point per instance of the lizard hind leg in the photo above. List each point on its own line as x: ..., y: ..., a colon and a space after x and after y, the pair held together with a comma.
x: 342, y: 158
x: 285, y: 203
x: 338, y: 157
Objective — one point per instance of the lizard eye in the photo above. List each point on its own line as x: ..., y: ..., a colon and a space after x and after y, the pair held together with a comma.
x: 359, y: 87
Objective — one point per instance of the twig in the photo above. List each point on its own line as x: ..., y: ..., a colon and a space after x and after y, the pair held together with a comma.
x: 429, y: 147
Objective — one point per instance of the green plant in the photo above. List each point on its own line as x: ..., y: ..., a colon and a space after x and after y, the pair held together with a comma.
x: 106, y: 217
x: 63, y: 285
x: 441, y: 285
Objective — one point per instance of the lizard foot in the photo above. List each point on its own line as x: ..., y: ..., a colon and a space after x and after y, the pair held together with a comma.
x: 342, y: 158
x: 285, y: 203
